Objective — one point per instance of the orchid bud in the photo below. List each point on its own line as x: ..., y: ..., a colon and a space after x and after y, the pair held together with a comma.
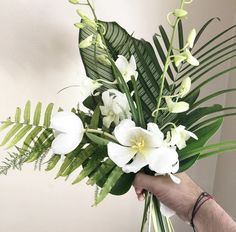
x: 185, y: 87
x: 180, y: 13
x: 191, y: 37
x: 176, y: 107
x: 86, y: 20
x: 86, y: 42
x: 80, y: 25
x: 191, y: 59
x: 74, y: 1
x: 99, y: 42
x: 103, y: 59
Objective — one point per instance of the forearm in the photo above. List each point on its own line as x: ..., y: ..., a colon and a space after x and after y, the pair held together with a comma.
x: 212, y: 218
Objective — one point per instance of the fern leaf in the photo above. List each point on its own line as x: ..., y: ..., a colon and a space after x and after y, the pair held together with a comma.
x: 27, y: 112
x: 47, y: 115
x: 30, y: 137
x: 5, y: 125
x: 53, y: 162
x: 21, y: 133
x: 37, y: 114
x: 18, y: 114
x: 11, y: 133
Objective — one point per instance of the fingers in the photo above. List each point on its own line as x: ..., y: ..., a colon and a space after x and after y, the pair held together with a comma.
x: 140, y: 193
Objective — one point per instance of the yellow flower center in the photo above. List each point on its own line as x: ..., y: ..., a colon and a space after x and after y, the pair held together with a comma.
x: 138, y: 144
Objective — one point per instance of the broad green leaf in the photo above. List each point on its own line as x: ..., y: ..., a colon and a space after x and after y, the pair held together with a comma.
x: 198, y: 114
x: 212, y: 96
x: 18, y: 115
x: 120, y: 42
x: 187, y: 163
x: 210, y: 120
x: 47, y: 115
x: 11, y: 133
x: 53, y: 162
x: 97, y: 139
x: 91, y: 165
x: 95, y: 118
x: 109, y: 184
x: 21, y: 133
x: 203, y: 134
x: 101, y: 172
x: 123, y: 184
x: 27, y: 112
x: 37, y: 114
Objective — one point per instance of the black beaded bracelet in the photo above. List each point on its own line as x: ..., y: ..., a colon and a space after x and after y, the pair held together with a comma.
x: 204, y: 197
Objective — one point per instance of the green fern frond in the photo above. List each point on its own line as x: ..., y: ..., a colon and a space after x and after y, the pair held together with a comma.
x: 26, y: 125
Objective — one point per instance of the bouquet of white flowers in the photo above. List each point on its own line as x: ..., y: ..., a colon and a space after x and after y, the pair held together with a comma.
x: 142, y: 114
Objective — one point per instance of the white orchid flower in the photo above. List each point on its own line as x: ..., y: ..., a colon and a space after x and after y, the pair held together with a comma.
x: 191, y: 59
x: 178, y: 137
x: 185, y: 87
x: 127, y: 69
x: 86, y: 42
x: 87, y: 86
x: 115, y: 108
x: 178, y: 59
x: 176, y: 107
x: 142, y: 147
x: 68, y: 130
x: 191, y: 37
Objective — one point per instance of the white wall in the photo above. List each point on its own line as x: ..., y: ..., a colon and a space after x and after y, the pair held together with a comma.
x: 38, y: 57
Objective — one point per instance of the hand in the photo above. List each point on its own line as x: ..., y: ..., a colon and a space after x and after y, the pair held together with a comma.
x: 178, y: 197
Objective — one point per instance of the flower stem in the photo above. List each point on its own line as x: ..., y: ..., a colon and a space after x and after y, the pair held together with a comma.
x: 167, y: 63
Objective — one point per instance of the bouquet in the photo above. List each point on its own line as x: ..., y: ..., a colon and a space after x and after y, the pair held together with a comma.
x: 143, y: 115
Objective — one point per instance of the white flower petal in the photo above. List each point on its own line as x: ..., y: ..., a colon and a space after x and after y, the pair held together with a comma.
x: 65, y: 143
x: 191, y: 134
x: 191, y: 37
x: 122, y: 132
x: 67, y: 122
x: 157, y: 139
x: 120, y: 155
x: 122, y: 64
x: 175, y: 179
x: 163, y: 160
x: 138, y: 163
x: 166, y: 211
x: 132, y: 63
x: 191, y: 59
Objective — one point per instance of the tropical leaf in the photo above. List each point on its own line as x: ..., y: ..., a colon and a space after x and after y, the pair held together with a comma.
x: 109, y: 184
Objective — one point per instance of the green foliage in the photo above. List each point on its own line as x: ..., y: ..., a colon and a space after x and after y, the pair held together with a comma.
x: 31, y: 138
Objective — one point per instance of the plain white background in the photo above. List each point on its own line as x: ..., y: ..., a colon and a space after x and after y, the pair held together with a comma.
x: 38, y: 57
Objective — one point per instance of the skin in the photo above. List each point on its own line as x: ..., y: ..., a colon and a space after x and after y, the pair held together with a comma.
x: 181, y: 198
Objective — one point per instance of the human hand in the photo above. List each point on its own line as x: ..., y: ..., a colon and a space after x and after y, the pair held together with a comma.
x: 178, y: 197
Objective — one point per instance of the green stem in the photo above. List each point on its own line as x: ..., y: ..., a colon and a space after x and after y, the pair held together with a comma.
x: 167, y: 63
x: 139, y: 104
